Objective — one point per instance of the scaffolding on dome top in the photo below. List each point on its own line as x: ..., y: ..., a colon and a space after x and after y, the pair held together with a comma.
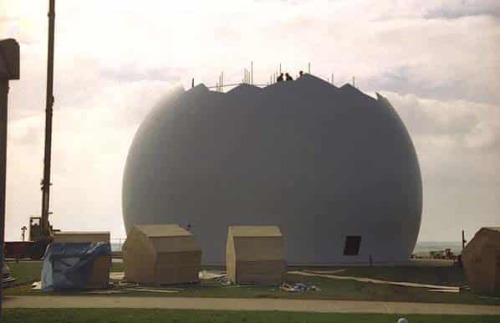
x: 248, y: 79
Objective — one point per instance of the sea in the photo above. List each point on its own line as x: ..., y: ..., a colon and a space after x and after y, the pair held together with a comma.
x: 425, y: 247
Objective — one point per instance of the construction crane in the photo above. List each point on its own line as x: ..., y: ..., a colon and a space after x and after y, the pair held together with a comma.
x: 49, y: 103
x: 40, y: 228
x: 40, y: 234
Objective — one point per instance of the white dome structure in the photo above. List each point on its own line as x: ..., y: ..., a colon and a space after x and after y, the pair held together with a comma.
x: 334, y: 168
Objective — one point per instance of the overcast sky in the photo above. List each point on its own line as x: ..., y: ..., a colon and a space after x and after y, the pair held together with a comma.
x: 438, y: 62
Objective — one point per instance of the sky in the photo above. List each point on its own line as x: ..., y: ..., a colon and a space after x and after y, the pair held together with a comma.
x: 438, y: 62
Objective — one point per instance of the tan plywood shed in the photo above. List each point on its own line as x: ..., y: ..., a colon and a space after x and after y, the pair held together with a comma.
x: 481, y: 259
x: 82, y: 236
x: 161, y: 254
x: 255, y: 255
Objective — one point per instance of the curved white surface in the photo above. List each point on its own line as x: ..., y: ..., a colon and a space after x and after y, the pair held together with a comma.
x: 319, y: 161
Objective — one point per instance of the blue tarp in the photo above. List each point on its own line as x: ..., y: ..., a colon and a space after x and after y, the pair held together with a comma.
x: 69, y: 265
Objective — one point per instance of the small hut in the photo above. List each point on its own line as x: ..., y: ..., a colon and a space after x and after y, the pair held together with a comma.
x: 481, y: 259
x: 255, y: 255
x: 161, y: 254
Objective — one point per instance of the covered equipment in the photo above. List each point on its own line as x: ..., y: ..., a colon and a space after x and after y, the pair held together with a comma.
x: 82, y: 236
x: 74, y: 266
x: 481, y: 259
x: 255, y: 255
x: 161, y: 254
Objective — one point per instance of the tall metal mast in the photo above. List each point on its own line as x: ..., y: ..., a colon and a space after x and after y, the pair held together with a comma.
x: 48, y: 124
x: 9, y: 70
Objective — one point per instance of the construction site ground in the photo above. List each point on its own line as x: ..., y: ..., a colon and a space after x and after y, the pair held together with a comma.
x: 347, y: 284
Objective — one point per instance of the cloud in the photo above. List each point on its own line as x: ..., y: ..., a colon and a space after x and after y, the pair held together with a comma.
x: 437, y: 62
x: 457, y: 141
x: 439, y: 9
x: 457, y: 144
x: 132, y: 72
x: 450, y: 117
x: 464, y: 8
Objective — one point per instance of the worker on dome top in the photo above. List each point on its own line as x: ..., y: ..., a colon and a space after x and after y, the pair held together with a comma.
x: 280, y: 78
x: 288, y: 77
x: 301, y: 73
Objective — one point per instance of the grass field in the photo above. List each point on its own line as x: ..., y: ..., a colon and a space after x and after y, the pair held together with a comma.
x: 25, y: 273
x: 436, y: 275
x: 329, y: 288
x: 171, y: 316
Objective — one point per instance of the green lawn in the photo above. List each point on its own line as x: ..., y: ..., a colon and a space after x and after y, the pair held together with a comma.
x: 330, y: 288
x: 337, y: 289
x: 184, y: 316
x: 449, y: 276
x: 117, y: 266
x: 25, y: 272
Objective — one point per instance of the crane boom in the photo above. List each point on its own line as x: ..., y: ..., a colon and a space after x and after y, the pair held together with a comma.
x: 45, y: 226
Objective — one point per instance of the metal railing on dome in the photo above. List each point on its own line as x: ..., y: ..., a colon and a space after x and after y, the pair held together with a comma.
x: 248, y: 79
